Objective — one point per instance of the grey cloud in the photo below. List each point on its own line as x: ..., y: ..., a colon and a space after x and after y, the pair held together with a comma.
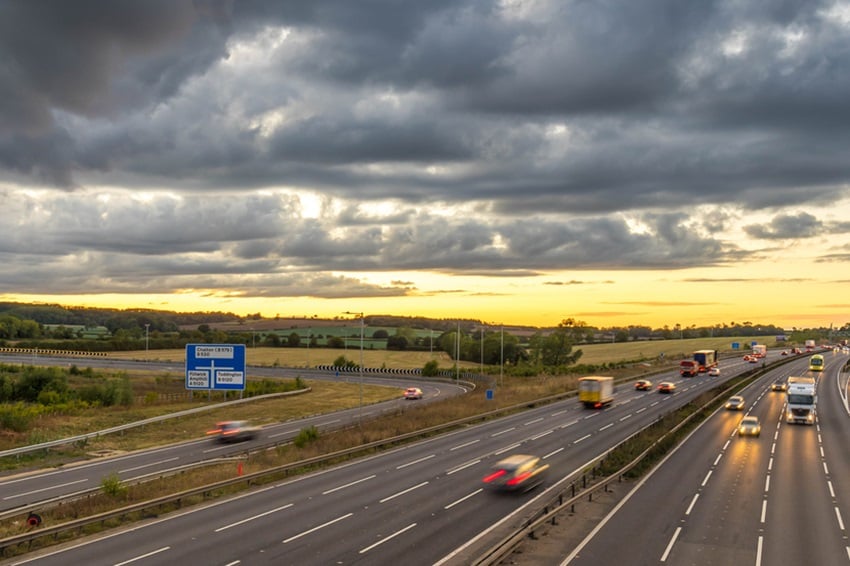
x: 787, y: 226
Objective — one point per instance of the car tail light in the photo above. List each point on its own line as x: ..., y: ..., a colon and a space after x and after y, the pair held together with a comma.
x: 494, y: 476
x: 518, y: 479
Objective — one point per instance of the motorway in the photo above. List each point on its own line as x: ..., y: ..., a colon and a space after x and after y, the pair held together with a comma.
x: 418, y: 504
x: 781, y: 498
x: 27, y: 490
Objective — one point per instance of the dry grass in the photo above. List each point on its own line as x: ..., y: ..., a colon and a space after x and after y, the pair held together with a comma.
x: 311, y: 357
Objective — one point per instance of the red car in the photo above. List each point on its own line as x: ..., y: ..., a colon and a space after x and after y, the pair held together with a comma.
x: 643, y: 385
x: 666, y: 387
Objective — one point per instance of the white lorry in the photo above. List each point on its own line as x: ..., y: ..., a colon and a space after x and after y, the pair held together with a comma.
x: 801, y: 397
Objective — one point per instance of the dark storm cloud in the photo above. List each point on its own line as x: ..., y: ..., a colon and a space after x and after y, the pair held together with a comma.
x: 553, y: 126
x: 793, y: 226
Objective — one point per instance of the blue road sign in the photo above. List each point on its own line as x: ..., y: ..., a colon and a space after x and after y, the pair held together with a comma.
x: 215, y: 366
x: 736, y: 345
x: 489, y: 394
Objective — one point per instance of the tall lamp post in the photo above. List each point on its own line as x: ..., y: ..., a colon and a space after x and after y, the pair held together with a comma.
x: 147, y: 340
x: 360, y: 315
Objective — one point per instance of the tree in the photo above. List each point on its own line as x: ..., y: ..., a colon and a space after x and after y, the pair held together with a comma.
x: 556, y: 348
x: 294, y: 340
x: 397, y: 343
x: 380, y: 334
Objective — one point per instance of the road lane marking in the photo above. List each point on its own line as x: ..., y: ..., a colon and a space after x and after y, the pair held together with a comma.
x: 462, y: 466
x: 495, y: 434
x: 143, y: 556
x: 269, y: 512
x: 553, y: 452
x: 626, y: 417
x: 44, y: 489
x: 542, y: 434
x: 462, y: 499
x: 316, y: 528
x: 758, y: 550
x: 763, y: 510
x: 147, y: 465
x: 716, y: 460
x: 609, y: 425
x: 705, y: 481
x: 585, y: 437
x: 416, y: 461
x: 507, y: 448
x: 670, y: 544
x: 355, y: 482
x: 531, y: 422
x: 693, y: 502
x: 838, y: 516
x: 392, y: 536
x: 275, y: 435
x: 400, y: 493
x: 464, y: 445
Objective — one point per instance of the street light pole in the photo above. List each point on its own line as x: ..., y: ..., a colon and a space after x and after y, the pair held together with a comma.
x: 360, y: 413
x: 147, y: 338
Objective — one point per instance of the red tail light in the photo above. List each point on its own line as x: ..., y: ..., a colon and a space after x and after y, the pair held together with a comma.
x: 494, y: 476
x: 519, y: 479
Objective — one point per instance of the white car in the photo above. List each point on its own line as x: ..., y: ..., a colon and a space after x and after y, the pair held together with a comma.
x: 714, y: 371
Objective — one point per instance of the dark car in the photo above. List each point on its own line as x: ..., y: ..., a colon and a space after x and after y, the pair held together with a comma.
x: 234, y: 431
x: 520, y: 472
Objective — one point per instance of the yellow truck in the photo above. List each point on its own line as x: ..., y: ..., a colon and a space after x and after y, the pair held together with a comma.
x: 595, y: 391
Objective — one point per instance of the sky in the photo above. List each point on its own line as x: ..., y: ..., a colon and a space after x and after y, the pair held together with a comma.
x: 632, y: 162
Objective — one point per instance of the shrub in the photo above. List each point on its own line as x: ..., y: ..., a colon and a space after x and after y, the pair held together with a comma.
x: 306, y: 436
x: 431, y: 369
x: 113, y: 486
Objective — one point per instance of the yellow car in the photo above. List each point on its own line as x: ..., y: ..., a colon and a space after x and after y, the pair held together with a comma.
x: 749, y: 426
x: 520, y: 472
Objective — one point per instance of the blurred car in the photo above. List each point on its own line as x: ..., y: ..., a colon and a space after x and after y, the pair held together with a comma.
x: 666, y: 387
x: 753, y: 360
x: 779, y: 385
x: 643, y: 385
x: 749, y: 427
x: 519, y: 472
x: 234, y: 431
x: 735, y: 403
x: 748, y: 358
x: 413, y: 393
x: 714, y: 371
x: 784, y: 352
